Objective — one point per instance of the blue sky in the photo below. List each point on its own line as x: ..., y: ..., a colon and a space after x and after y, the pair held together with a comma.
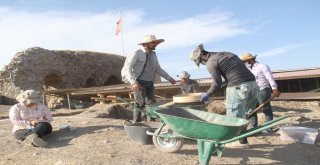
x: 283, y: 33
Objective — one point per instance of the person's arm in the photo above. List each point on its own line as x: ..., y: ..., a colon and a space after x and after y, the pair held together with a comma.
x: 163, y: 73
x: 127, y: 70
x: 15, y: 118
x: 268, y: 74
x: 47, y: 116
x: 216, y: 77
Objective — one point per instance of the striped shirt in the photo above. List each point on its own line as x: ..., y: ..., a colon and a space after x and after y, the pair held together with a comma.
x: 21, y: 115
x: 228, y: 66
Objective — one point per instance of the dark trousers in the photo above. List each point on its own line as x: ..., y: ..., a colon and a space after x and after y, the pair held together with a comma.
x: 265, y: 95
x: 41, y: 129
x: 143, y: 97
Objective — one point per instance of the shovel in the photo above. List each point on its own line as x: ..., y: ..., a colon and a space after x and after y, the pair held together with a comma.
x: 260, y: 106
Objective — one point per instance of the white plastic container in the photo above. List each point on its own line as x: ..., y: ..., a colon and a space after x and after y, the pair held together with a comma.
x: 298, y: 134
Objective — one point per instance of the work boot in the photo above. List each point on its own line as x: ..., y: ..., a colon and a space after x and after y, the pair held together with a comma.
x: 34, y: 139
x: 137, y: 115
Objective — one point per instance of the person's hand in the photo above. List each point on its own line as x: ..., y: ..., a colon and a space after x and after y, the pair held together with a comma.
x: 275, y: 92
x: 33, y: 122
x: 204, y: 97
x: 172, y: 81
x: 42, y: 118
x: 136, y: 86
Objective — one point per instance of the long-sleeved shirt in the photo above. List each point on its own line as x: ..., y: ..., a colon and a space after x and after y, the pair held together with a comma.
x: 228, y: 66
x: 135, y: 63
x: 21, y: 115
x: 263, y: 76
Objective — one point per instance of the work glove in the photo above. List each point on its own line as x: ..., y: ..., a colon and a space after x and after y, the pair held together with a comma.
x: 204, y: 97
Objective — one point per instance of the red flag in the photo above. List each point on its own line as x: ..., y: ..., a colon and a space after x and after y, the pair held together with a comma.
x: 119, y: 26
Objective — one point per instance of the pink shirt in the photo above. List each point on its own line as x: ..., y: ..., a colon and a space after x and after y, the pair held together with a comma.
x: 263, y: 76
x: 21, y: 115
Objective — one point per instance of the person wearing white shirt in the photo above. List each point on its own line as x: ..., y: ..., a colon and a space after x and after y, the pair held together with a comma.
x: 267, y: 84
x: 31, y: 119
x: 139, y: 70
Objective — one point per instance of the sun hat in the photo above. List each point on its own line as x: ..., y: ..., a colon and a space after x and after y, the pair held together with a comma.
x: 150, y: 38
x: 184, y: 74
x: 29, y: 97
x: 195, y: 54
x: 247, y: 56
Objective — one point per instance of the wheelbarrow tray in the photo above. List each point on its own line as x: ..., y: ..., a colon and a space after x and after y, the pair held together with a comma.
x: 197, y: 124
x: 150, y: 110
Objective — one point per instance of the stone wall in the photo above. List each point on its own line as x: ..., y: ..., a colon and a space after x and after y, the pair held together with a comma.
x: 42, y: 69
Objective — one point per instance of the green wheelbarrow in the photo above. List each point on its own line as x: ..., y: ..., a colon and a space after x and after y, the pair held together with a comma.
x: 167, y: 142
x: 211, y: 131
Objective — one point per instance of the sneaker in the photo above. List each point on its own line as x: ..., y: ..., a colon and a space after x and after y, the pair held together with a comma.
x: 236, y: 144
x: 35, y: 140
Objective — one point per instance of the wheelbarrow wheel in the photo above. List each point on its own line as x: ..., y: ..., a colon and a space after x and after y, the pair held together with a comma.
x: 167, y: 144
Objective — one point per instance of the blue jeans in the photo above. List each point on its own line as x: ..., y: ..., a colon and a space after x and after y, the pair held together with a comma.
x: 240, y: 100
x: 265, y: 94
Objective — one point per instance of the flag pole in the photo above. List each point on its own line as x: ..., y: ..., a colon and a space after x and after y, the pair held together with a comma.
x: 122, y: 38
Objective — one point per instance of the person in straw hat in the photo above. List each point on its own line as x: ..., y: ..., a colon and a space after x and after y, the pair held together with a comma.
x: 242, y: 89
x: 188, y: 85
x: 267, y: 84
x: 31, y: 119
x: 140, y: 69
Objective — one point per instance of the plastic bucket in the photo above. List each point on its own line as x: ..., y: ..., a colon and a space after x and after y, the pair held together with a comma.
x: 298, y: 134
x: 137, y: 131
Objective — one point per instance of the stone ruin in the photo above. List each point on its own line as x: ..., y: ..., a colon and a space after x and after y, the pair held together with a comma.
x: 41, y: 69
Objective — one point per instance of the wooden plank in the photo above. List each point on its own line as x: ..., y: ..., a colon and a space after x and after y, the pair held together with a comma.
x: 299, y: 96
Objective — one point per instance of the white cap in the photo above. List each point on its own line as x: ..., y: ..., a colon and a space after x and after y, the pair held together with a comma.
x: 184, y: 74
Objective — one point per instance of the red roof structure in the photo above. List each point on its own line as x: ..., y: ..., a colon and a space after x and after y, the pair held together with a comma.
x: 294, y: 74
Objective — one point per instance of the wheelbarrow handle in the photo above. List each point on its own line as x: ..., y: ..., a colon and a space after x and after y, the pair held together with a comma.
x: 121, y: 99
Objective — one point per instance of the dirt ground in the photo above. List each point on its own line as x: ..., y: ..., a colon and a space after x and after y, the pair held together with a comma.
x: 95, y: 139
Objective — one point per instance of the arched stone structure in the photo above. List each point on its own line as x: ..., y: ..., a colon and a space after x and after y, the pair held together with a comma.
x: 41, y: 69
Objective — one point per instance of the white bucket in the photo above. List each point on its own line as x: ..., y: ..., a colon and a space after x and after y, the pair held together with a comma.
x: 298, y: 134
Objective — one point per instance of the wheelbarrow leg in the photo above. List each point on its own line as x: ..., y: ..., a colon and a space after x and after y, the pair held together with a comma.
x: 205, y: 149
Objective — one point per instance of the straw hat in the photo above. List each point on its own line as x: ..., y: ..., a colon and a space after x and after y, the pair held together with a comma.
x: 150, y: 38
x: 29, y: 97
x: 247, y: 56
x: 184, y: 74
x: 195, y: 54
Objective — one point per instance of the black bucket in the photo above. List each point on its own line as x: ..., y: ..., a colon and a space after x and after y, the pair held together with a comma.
x: 137, y: 131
